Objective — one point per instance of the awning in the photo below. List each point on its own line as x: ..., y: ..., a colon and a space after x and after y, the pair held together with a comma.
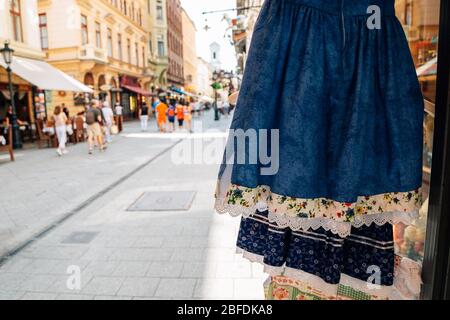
x: 44, y: 76
x: 138, y: 90
x: 179, y: 91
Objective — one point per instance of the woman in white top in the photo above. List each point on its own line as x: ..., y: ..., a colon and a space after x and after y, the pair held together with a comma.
x: 60, y: 119
x: 108, y: 115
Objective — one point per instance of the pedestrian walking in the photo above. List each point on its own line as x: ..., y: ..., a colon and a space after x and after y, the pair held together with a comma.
x: 226, y: 109
x: 180, y: 114
x: 143, y: 116
x: 94, y: 130
x: 155, y: 103
x: 161, y: 111
x: 69, y: 124
x: 171, y: 113
x: 60, y: 120
x: 108, y: 116
x: 119, y: 113
x: 198, y: 107
x: 187, y: 108
x: 65, y: 110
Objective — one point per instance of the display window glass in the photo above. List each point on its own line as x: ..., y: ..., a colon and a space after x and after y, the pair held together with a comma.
x: 420, y: 20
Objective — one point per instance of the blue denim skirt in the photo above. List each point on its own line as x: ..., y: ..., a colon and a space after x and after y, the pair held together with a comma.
x: 343, y: 95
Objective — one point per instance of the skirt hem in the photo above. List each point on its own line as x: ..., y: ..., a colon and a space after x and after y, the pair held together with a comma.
x: 316, y: 284
x: 341, y: 228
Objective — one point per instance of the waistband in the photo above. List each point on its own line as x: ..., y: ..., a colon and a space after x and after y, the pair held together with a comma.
x: 349, y: 7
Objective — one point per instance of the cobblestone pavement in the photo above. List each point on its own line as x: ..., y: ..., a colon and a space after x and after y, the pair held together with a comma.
x: 120, y: 254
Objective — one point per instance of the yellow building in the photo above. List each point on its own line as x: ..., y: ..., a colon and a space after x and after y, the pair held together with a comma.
x: 248, y: 13
x: 102, y: 43
x: 33, y: 79
x: 204, y: 78
x: 190, y: 60
x: 23, y: 39
x: 158, y: 41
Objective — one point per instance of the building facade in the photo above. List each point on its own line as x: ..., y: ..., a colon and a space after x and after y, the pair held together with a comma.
x: 204, y: 78
x: 158, y: 55
x: 102, y: 43
x: 189, y: 53
x: 215, y: 56
x: 248, y: 12
x: 19, y: 29
x: 23, y: 35
x: 33, y: 79
x: 175, y: 74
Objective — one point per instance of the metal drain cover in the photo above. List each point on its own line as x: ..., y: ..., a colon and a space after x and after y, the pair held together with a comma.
x: 164, y: 201
x: 80, y: 238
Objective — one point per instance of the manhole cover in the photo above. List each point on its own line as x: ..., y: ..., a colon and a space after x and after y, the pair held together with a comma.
x: 164, y: 201
x: 80, y: 238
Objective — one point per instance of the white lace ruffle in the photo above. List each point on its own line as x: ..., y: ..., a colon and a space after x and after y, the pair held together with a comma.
x: 331, y: 290
x: 270, y: 270
x: 343, y: 229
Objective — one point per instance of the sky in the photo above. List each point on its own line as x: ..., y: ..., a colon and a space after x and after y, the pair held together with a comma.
x: 218, y: 26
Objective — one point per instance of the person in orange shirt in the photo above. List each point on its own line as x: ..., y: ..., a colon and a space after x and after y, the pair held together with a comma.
x: 180, y: 114
x: 188, y: 115
x: 161, y: 110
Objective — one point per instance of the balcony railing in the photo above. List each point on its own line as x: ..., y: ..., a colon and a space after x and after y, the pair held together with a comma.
x: 89, y: 52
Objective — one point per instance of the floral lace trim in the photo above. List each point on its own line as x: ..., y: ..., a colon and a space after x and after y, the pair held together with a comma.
x: 334, y: 216
x: 343, y: 229
x: 321, y: 207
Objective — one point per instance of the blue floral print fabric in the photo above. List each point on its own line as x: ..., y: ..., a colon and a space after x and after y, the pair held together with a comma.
x: 321, y: 253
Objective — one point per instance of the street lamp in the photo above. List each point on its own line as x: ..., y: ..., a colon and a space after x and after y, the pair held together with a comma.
x: 7, y: 54
x: 216, y: 86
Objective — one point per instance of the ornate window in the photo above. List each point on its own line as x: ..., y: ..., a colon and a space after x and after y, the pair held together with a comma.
x: 43, y: 31
x: 110, y: 43
x: 98, y: 35
x: 119, y: 46
x: 16, y: 19
x: 84, y: 30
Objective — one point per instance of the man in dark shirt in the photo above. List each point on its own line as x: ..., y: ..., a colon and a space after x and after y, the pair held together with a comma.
x: 94, y: 121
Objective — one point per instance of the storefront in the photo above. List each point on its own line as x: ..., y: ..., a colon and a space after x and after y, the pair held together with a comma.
x: 22, y: 98
x: 132, y: 96
x: 33, y: 91
x: 115, y: 92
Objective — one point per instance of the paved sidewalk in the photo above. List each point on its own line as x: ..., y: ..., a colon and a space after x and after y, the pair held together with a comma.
x: 40, y: 188
x: 140, y: 255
